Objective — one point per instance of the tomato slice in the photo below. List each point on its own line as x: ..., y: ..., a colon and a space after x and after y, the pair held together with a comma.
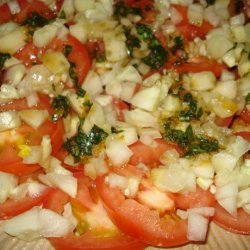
x: 139, y: 221
x: 56, y: 200
x: 27, y: 7
x: 89, y: 241
x: 223, y: 122
x: 12, y: 208
x: 78, y: 55
x: 199, y: 198
x: 240, y: 225
x: 245, y: 115
x: 29, y: 54
x: 150, y: 156
x: 5, y: 13
x: 188, y: 30
x: 244, y: 134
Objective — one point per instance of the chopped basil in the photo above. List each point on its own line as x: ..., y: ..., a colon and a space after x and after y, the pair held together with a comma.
x: 192, y: 144
x: 3, y: 58
x: 83, y: 144
x: 192, y: 111
x: 61, y: 106
x: 35, y: 20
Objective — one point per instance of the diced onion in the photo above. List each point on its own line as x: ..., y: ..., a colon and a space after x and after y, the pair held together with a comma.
x: 14, y: 6
x: 9, y: 120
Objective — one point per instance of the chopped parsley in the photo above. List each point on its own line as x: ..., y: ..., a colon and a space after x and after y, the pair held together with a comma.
x: 158, y: 55
x: 62, y: 15
x: 178, y: 43
x: 247, y: 98
x: 210, y: 2
x: 122, y: 10
x: 131, y: 41
x: 192, y: 111
x: 83, y: 144
x: 3, y: 58
x: 34, y: 20
x: 67, y: 50
x: 61, y: 106
x: 192, y: 144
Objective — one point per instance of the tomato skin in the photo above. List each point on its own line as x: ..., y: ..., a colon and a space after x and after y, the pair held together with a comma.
x: 245, y: 115
x: 240, y: 225
x: 188, y: 30
x: 28, y: 7
x: 29, y: 54
x: 244, y: 134
x: 12, y: 208
x: 223, y: 122
x: 56, y: 200
x: 89, y: 241
x: 5, y: 13
x: 150, y: 156
x: 146, y: 226
x: 57, y: 137
x: 199, y: 198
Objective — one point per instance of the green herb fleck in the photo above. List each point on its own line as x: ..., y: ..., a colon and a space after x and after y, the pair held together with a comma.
x: 247, y: 98
x: 62, y: 15
x: 121, y: 9
x: 191, y: 112
x: 3, y: 58
x: 61, y: 106
x: 83, y: 144
x: 67, y: 50
x: 35, y: 20
x: 192, y: 144
x: 178, y: 43
x: 131, y: 41
x: 210, y: 2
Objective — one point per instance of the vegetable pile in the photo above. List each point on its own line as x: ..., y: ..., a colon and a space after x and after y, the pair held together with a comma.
x: 126, y: 123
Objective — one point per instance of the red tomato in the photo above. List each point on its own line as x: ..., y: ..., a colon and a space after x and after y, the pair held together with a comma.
x: 27, y: 7
x: 5, y: 13
x: 29, y: 54
x: 245, y: 115
x: 150, y: 155
x: 223, y: 122
x: 20, y: 104
x: 120, y: 107
x: 200, y: 198
x: 198, y: 65
x: 79, y: 55
x: 239, y: 6
x: 90, y: 241
x: 61, y: 154
x: 240, y: 225
x: 56, y: 200
x: 12, y: 208
x: 244, y: 134
x: 188, y: 30
x: 139, y: 221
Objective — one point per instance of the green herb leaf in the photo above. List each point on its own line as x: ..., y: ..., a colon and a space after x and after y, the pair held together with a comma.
x: 210, y: 2
x: 247, y: 98
x: 61, y: 106
x: 67, y: 50
x: 35, y: 20
x: 62, y: 15
x: 131, y: 41
x: 83, y: 144
x: 3, y: 58
x: 121, y: 9
x: 192, y: 111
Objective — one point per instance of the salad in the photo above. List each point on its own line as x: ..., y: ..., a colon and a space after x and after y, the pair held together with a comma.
x: 126, y: 123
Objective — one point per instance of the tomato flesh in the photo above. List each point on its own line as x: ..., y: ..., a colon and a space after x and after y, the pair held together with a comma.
x: 146, y: 226
x: 240, y: 225
x: 12, y: 208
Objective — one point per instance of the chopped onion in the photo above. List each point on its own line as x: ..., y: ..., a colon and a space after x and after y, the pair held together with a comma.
x: 204, y: 211
x: 9, y: 120
x: 14, y: 6
x: 197, y: 227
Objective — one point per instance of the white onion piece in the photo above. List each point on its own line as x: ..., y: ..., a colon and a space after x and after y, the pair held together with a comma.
x: 9, y: 120
x: 226, y: 191
x: 14, y: 74
x: 14, y: 6
x: 7, y: 183
x: 197, y: 227
x: 34, y: 155
x: 204, y: 211
x: 230, y: 205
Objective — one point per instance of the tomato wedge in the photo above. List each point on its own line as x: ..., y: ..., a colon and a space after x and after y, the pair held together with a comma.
x: 146, y: 226
x: 245, y: 115
x: 12, y: 208
x: 200, y: 198
x: 5, y: 13
x: 240, y: 225
x: 150, y: 155
x: 89, y: 241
